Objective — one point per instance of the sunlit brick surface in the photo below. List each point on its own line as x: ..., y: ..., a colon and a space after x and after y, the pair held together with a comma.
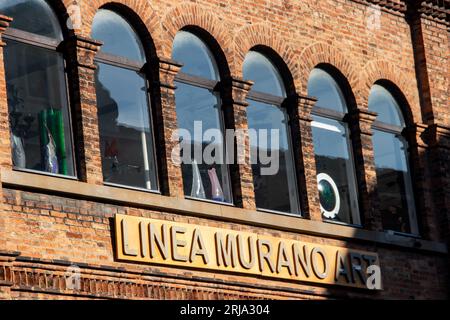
x: 42, y: 232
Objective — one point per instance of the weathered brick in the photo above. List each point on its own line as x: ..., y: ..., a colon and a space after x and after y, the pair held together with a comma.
x: 408, y: 49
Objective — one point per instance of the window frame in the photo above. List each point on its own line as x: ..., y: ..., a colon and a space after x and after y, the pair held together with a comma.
x: 282, y: 103
x: 344, y: 119
x: 57, y: 46
x: 121, y: 62
x: 142, y: 68
x: 398, y: 131
x: 215, y: 86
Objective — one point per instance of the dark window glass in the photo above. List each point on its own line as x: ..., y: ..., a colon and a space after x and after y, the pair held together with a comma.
x: 38, y: 109
x: 393, y: 180
x: 198, y: 112
x: 117, y: 35
x: 334, y: 161
x: 276, y: 191
x: 126, y: 133
x: 391, y: 161
x: 34, y: 16
x: 41, y: 137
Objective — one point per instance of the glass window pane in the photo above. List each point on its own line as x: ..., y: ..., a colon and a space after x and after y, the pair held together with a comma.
x: 195, y: 56
x: 38, y: 109
x: 322, y: 86
x: 382, y: 102
x: 263, y: 73
x: 33, y: 16
x: 394, y: 182
x: 125, y: 129
x: 117, y: 35
x: 277, y: 191
x: 335, y: 170
x: 198, y: 110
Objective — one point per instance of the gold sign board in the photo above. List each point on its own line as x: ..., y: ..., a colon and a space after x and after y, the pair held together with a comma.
x: 185, y: 245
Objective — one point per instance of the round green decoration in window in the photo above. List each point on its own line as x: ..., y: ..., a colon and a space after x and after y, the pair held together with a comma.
x: 330, y: 202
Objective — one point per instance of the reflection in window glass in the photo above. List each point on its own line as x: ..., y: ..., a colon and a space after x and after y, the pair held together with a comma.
x: 34, y: 16
x: 276, y: 192
x: 124, y: 124
x: 322, y: 86
x: 124, y: 113
x: 394, y: 183
x: 391, y: 161
x: 333, y: 159
x: 117, y: 35
x: 383, y: 103
x: 195, y: 56
x: 200, y: 105
x: 38, y: 109
x: 198, y: 111
x: 264, y: 74
x: 333, y: 153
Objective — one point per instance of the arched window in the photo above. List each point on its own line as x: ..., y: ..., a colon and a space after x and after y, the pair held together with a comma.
x: 41, y: 132
x: 200, y: 120
x: 392, y: 164
x: 272, y: 158
x: 124, y: 112
x: 333, y: 152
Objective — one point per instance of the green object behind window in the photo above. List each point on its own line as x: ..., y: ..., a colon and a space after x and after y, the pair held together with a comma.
x: 53, y: 120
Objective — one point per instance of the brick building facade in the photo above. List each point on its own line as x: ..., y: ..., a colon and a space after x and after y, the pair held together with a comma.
x: 49, y: 223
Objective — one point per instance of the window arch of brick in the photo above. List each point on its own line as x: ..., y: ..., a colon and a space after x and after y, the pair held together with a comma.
x: 347, y: 88
x: 281, y: 66
x: 262, y: 37
x: 145, y: 35
x: 404, y: 87
x: 400, y: 98
x: 206, y: 25
x: 214, y: 46
x: 336, y: 61
x: 63, y: 11
x: 143, y: 18
x: 62, y: 8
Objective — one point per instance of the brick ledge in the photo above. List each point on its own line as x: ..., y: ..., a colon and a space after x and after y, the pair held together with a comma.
x: 49, y: 277
x: 57, y: 185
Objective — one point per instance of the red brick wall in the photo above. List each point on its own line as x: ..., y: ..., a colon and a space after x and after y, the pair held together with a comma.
x: 41, y: 233
x: 82, y: 231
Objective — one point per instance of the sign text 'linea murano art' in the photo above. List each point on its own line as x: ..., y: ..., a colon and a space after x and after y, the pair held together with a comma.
x: 186, y: 245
